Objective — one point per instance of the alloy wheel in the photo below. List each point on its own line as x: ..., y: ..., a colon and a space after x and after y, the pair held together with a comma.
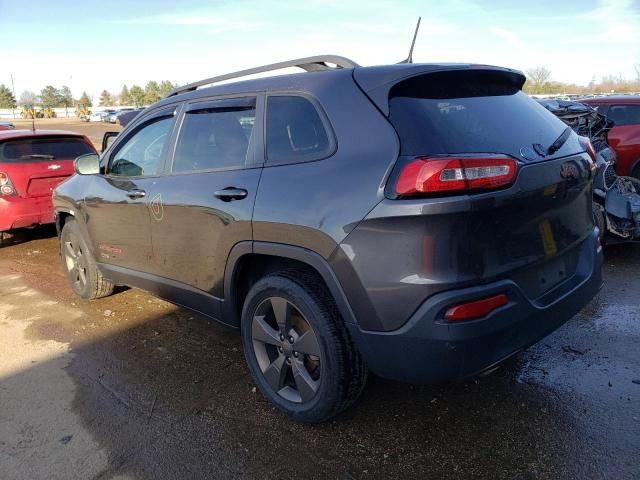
x: 287, y: 350
x: 76, y: 262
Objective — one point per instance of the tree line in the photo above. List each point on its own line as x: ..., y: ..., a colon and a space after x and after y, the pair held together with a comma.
x: 539, y: 81
x: 50, y: 96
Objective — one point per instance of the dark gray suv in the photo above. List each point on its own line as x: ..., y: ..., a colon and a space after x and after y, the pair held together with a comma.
x: 422, y: 222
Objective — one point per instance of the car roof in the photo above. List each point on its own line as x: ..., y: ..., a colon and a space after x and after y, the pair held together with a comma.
x: 11, y: 134
x: 618, y: 99
x: 372, y: 78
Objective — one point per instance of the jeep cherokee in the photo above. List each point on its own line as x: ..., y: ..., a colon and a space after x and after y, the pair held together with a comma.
x: 420, y: 221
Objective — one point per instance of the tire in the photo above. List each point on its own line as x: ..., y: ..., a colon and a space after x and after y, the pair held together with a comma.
x: 636, y: 172
x: 79, y: 265
x: 599, y: 221
x: 4, y: 239
x: 307, y: 387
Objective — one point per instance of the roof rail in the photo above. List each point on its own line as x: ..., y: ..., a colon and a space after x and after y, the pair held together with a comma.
x: 309, y: 64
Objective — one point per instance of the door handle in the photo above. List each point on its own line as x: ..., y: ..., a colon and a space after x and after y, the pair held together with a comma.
x: 231, y: 193
x: 135, y: 193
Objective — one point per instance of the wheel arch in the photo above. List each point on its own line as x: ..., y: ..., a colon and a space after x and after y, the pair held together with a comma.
x: 61, y: 217
x: 249, y: 260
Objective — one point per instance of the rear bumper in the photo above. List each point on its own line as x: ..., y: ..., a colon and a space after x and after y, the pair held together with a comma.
x: 18, y: 212
x: 428, y: 349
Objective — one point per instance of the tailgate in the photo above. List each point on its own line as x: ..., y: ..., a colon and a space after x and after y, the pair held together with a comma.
x: 37, y: 179
x: 41, y: 187
x: 529, y: 232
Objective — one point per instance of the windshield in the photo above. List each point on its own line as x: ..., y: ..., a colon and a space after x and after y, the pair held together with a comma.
x: 43, y: 149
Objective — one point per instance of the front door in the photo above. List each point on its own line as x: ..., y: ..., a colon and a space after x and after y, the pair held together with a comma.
x: 117, y: 203
x: 203, y: 207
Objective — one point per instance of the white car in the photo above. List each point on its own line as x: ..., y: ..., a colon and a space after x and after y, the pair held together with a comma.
x: 97, y: 116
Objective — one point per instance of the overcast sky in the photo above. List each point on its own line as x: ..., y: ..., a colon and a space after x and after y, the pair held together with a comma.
x: 93, y: 45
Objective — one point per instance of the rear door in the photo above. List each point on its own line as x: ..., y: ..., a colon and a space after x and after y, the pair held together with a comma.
x: 36, y: 165
x: 117, y: 202
x: 204, y: 206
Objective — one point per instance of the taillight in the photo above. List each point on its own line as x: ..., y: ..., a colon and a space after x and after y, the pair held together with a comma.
x: 459, y: 174
x: 586, y: 143
x: 6, y: 187
x: 475, y: 309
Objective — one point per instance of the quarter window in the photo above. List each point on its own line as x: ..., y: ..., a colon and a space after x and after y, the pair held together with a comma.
x: 216, y: 135
x: 142, y: 154
x: 295, y: 131
x: 624, y: 115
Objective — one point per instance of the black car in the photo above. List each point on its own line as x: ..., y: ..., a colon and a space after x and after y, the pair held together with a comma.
x: 420, y: 221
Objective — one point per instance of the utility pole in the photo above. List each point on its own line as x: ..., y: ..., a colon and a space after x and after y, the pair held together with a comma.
x: 13, y: 88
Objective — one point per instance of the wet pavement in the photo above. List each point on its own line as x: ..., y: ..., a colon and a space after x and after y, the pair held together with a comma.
x: 159, y: 392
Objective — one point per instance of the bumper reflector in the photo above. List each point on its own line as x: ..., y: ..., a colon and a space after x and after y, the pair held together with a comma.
x: 475, y: 309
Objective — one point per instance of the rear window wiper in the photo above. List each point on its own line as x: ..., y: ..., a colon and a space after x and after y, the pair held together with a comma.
x: 559, y: 142
x: 38, y: 155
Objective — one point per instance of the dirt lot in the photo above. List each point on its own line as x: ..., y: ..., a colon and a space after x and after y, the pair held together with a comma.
x: 133, y: 387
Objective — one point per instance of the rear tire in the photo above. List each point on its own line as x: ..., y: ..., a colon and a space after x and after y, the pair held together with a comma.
x: 4, y: 239
x: 80, y: 267
x: 298, y: 350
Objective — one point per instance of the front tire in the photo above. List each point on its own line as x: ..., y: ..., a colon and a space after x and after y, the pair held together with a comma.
x: 80, y: 267
x: 599, y: 221
x: 297, y: 348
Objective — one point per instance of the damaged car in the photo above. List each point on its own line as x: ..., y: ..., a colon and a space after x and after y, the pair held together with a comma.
x: 616, y: 199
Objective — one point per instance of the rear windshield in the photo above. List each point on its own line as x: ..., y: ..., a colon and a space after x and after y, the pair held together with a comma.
x: 43, y: 149
x: 468, y: 112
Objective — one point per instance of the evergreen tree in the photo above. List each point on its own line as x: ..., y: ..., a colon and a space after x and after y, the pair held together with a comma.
x: 125, y: 96
x: 151, y: 92
x: 66, y: 99
x: 137, y: 95
x: 7, y: 100
x: 84, y: 100
x: 50, y: 97
x: 165, y: 87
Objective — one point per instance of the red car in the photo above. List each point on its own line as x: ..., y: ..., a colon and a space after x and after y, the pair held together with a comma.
x: 32, y: 164
x: 624, y: 137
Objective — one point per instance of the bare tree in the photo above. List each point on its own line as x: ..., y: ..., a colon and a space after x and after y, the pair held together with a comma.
x: 538, y: 76
x: 28, y: 98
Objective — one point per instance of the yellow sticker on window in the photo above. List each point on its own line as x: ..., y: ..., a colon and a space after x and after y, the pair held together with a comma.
x: 548, y: 242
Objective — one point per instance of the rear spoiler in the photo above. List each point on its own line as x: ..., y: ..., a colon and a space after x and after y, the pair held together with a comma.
x: 377, y: 82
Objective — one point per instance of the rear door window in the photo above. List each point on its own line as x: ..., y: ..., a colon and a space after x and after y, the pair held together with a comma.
x: 624, y: 115
x: 43, y: 149
x: 216, y: 135
x: 295, y: 131
x: 468, y: 112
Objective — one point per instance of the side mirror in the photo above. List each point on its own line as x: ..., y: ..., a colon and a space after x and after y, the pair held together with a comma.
x: 88, y: 164
x: 107, y: 139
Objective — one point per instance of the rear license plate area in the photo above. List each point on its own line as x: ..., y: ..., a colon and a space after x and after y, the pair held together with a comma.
x: 551, y: 274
